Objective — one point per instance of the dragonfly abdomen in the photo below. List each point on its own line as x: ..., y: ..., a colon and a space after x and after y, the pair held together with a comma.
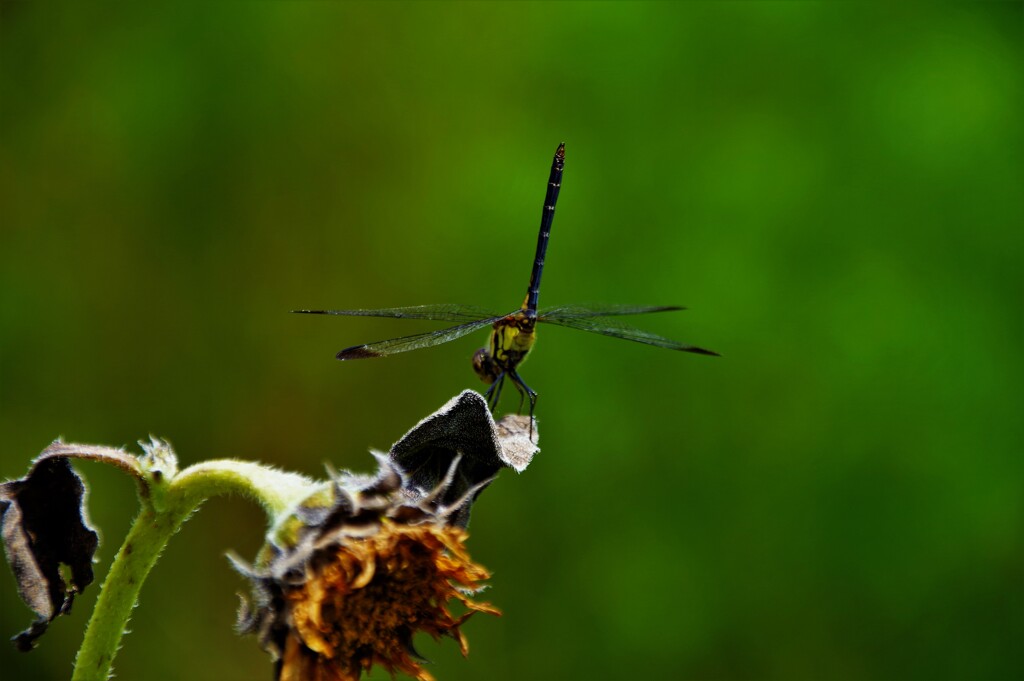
x: 547, y: 218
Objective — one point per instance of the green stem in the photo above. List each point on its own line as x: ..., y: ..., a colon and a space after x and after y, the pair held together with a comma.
x: 120, y: 590
x: 161, y: 517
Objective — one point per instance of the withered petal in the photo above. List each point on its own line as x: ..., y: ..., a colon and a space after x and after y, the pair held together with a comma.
x: 389, y: 477
x: 463, y: 426
x: 517, y: 439
x: 43, y: 524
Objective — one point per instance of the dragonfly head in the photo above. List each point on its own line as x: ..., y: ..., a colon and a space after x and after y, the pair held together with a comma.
x: 484, y: 366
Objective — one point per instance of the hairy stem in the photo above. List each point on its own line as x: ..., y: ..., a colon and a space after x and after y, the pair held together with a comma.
x: 162, y: 515
x: 137, y: 556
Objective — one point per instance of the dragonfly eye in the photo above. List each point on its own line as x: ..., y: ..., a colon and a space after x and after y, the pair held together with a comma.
x: 484, y: 366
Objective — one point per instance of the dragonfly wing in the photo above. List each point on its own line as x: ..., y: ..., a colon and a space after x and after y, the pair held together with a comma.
x: 616, y: 329
x: 414, y: 342
x: 576, y: 311
x: 438, y: 313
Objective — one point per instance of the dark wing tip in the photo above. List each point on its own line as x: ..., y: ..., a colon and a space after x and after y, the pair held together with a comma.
x: 560, y: 151
x: 309, y: 311
x: 356, y: 352
x: 700, y: 351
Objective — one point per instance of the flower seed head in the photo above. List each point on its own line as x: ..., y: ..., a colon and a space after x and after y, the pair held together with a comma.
x: 365, y: 563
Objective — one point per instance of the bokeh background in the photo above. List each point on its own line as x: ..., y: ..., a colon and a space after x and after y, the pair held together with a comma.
x: 833, y: 189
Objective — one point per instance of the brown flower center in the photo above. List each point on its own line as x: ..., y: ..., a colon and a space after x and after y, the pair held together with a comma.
x: 362, y: 602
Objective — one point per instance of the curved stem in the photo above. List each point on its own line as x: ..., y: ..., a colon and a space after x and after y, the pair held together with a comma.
x: 164, y: 513
x: 146, y: 539
x: 274, y: 490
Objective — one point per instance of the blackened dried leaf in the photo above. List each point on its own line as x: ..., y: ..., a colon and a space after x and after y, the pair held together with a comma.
x: 43, y: 526
x: 464, y: 426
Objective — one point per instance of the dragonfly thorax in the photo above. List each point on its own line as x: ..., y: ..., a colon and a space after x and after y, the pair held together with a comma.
x: 511, y: 340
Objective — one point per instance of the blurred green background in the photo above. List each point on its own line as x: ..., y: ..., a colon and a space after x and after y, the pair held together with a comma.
x: 833, y: 189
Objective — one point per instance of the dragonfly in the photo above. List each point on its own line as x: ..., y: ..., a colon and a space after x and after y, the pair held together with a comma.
x: 513, y: 334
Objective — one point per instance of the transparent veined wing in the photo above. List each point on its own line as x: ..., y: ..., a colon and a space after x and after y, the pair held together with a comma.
x: 416, y: 341
x: 445, y: 312
x: 599, y: 320
x: 554, y: 314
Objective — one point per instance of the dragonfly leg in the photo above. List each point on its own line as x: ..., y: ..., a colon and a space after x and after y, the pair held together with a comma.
x: 518, y: 383
x: 497, y: 395
x: 493, y: 393
x: 524, y: 391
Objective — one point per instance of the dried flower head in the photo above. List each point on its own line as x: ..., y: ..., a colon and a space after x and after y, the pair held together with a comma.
x: 361, y: 566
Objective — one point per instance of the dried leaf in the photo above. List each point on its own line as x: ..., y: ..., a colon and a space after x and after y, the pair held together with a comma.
x: 43, y: 525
